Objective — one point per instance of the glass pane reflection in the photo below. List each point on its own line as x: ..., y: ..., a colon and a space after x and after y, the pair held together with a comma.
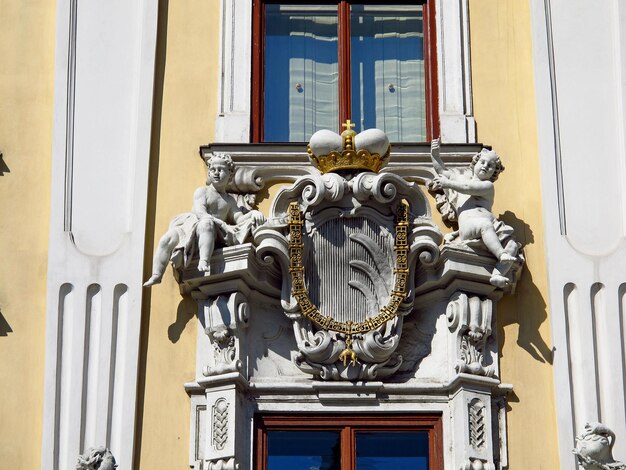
x: 387, y: 66
x: 391, y: 451
x: 301, y: 71
x: 303, y: 450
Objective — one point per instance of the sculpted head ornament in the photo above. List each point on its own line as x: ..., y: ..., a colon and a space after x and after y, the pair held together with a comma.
x: 230, y: 164
x: 492, y: 155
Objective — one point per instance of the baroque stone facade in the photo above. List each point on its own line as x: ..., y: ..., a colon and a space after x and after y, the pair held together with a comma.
x: 346, y: 297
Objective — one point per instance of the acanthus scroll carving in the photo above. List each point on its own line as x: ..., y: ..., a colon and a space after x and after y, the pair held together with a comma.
x: 471, y: 318
x: 225, y: 315
x: 225, y: 353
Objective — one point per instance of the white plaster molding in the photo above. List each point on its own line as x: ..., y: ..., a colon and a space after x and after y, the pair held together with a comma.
x: 580, y: 121
x: 233, y: 119
x: 456, y: 113
x: 454, y: 78
x: 101, y: 143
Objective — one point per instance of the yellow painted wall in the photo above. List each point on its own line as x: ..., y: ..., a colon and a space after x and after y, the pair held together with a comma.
x: 504, y: 105
x: 185, y: 107
x: 26, y: 93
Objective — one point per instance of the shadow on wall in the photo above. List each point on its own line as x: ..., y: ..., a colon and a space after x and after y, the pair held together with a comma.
x: 187, y: 309
x: 153, y: 175
x: 3, y: 166
x: 5, y: 328
x: 527, y: 307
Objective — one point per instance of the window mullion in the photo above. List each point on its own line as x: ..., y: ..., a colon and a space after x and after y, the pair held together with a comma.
x: 347, y: 448
x: 344, y: 62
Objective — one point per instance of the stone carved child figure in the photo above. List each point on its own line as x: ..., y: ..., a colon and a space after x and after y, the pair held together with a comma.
x: 215, y: 217
x: 471, y: 193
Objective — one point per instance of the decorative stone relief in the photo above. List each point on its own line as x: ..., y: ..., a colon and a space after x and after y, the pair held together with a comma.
x: 594, y: 448
x: 222, y: 464
x: 223, y: 316
x: 466, y: 199
x: 477, y: 423
x: 96, y: 458
x: 478, y: 464
x: 348, y: 223
x: 220, y: 423
x: 225, y: 357
x: 471, y: 318
x: 346, y: 281
x: 217, y: 217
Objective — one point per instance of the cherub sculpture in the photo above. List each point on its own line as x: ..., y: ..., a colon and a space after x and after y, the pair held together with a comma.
x: 470, y: 195
x: 96, y: 458
x: 215, y: 217
x: 594, y: 448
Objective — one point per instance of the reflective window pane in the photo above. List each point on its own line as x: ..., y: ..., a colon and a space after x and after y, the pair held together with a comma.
x: 301, y: 71
x: 391, y: 451
x: 387, y: 68
x: 303, y: 450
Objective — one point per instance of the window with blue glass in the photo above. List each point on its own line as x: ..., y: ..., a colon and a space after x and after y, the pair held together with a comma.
x: 318, y: 64
x: 322, y: 442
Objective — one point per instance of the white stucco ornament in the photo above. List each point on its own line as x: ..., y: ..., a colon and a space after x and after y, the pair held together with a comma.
x: 346, y: 298
x: 216, y: 218
x: 594, y: 448
x: 467, y: 199
x: 354, y: 237
x: 96, y: 458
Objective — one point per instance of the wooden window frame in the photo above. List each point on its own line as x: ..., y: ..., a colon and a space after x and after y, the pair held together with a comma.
x: 348, y: 424
x: 258, y: 61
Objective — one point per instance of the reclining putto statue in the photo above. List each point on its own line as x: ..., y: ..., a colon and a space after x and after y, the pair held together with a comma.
x: 215, y: 217
x: 470, y: 196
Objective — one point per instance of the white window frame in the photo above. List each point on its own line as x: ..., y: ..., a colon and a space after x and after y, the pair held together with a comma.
x: 454, y: 77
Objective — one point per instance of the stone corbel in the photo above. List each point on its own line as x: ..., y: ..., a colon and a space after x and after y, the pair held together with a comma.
x: 224, y: 317
x: 469, y: 318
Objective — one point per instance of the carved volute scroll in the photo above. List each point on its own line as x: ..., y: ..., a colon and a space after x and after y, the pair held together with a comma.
x: 470, y: 317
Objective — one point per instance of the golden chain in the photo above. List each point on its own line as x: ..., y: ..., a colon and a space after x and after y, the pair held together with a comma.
x: 327, y: 322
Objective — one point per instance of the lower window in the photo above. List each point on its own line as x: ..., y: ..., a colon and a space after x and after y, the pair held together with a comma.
x: 346, y: 442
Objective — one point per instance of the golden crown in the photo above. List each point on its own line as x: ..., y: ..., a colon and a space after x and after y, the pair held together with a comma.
x: 367, y: 151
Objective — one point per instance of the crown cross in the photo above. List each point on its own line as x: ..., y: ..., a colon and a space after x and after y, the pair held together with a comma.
x: 348, y: 124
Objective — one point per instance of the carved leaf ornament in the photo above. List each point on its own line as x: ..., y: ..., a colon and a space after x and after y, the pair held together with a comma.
x: 327, y: 322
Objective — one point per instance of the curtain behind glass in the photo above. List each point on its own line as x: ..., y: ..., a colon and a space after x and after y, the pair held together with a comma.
x: 387, y: 64
x: 301, y: 71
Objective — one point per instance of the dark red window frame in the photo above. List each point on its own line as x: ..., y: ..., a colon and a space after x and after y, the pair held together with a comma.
x: 258, y: 48
x: 348, y: 424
